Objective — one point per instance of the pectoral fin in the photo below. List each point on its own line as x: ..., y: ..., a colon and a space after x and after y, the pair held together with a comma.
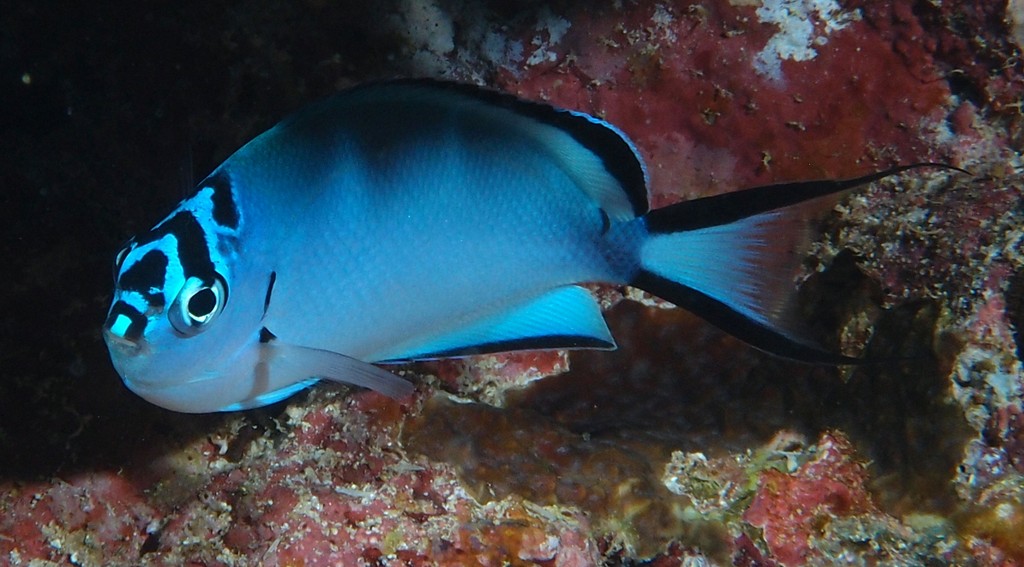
x: 300, y: 367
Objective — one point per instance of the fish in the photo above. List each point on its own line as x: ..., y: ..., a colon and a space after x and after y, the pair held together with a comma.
x: 419, y: 219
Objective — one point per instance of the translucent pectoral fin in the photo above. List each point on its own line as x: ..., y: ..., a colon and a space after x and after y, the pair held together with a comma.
x: 304, y: 363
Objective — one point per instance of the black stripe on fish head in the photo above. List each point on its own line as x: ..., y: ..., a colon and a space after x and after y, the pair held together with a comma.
x: 149, y: 273
x: 193, y: 253
x: 225, y: 206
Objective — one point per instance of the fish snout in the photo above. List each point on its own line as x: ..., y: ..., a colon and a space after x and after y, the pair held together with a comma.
x: 124, y: 328
x: 122, y: 344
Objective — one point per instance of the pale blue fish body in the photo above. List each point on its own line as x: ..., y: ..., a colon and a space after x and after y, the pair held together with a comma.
x: 447, y: 217
x: 411, y: 220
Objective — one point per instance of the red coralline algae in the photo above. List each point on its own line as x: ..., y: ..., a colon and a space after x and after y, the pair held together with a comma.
x: 970, y: 37
x: 684, y: 84
x: 334, y: 491
x: 83, y: 519
x: 793, y: 508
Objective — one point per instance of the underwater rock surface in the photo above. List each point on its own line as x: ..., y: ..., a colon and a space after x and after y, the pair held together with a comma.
x: 682, y: 447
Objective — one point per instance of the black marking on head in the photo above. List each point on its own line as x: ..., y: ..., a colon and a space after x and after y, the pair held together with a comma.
x: 122, y: 253
x: 615, y: 152
x: 146, y: 275
x: 192, y: 252
x: 270, y: 290
x: 225, y: 209
x: 266, y: 336
x: 136, y: 328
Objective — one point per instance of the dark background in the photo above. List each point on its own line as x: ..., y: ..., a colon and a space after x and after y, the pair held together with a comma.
x: 109, y: 112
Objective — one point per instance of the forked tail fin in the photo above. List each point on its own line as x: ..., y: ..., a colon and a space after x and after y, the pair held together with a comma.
x: 729, y: 258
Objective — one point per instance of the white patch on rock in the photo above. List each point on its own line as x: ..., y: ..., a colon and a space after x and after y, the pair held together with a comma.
x: 554, y: 27
x: 803, y: 25
x: 502, y: 51
x: 429, y: 30
x: 1015, y: 21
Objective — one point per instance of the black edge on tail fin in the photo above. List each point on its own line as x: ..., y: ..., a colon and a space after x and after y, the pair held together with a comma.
x: 736, y: 205
x: 736, y: 218
x: 759, y: 335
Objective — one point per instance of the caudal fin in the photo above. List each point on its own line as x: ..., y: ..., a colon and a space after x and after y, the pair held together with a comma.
x: 730, y: 259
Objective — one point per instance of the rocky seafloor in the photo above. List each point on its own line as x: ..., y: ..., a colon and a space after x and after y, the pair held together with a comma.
x: 684, y: 446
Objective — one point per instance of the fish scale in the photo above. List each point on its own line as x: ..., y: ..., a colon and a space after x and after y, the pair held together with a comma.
x: 420, y: 219
x: 407, y: 259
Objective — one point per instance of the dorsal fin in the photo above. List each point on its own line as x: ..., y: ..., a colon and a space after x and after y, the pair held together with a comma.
x: 595, y: 154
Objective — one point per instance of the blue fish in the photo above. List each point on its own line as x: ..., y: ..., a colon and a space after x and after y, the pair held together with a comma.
x: 416, y: 219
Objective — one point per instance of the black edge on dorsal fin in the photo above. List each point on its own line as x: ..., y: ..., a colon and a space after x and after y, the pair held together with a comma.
x: 736, y: 205
x: 618, y: 155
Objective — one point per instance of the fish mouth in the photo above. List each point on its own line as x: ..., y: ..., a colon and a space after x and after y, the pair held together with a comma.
x: 122, y: 345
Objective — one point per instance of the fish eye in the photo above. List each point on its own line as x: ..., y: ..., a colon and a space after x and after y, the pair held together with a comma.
x: 197, y: 305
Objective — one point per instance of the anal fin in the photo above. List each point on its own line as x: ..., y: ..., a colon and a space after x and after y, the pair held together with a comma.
x: 567, y: 317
